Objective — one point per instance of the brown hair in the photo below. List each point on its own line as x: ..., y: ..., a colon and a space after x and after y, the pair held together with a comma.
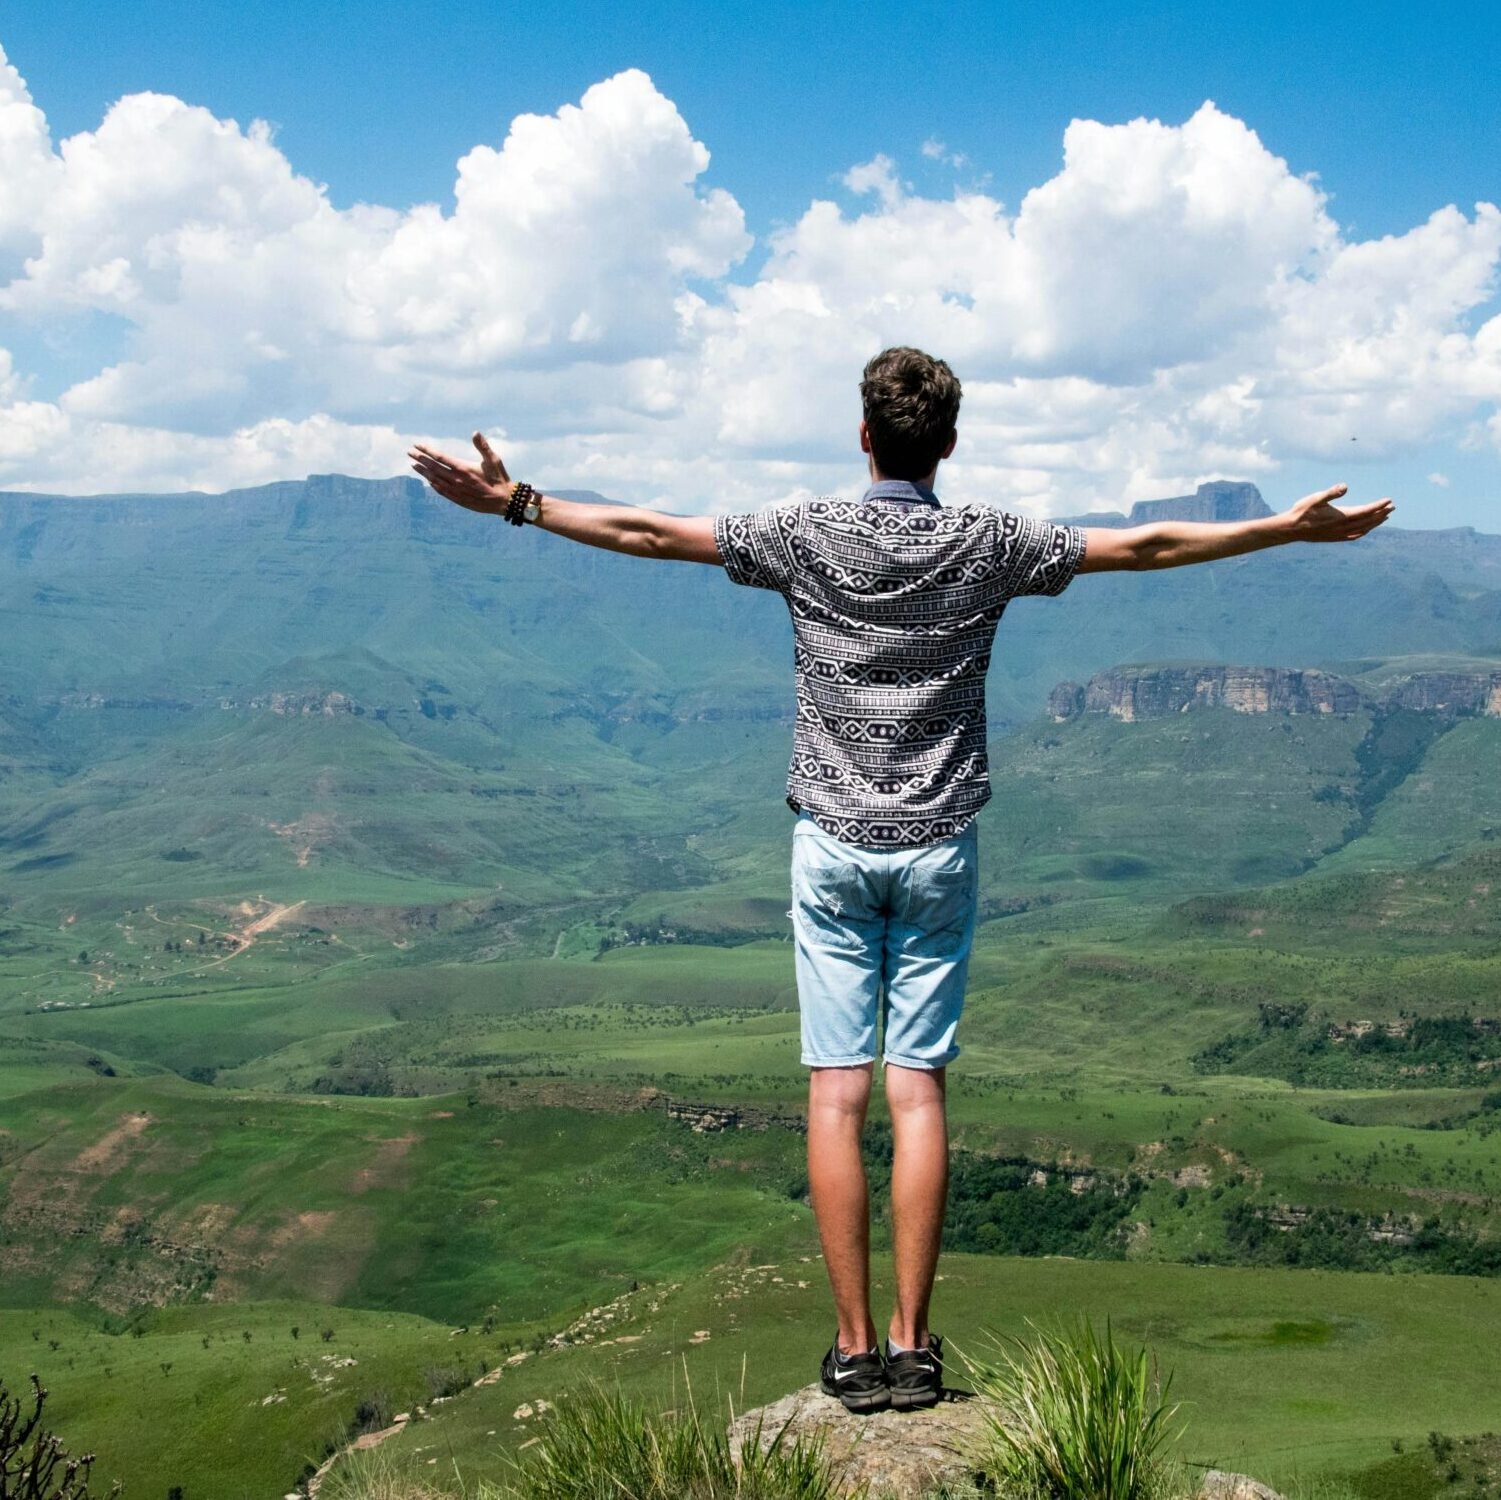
x: 911, y: 403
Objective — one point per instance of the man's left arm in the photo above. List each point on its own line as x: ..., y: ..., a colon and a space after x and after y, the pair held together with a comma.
x: 616, y: 528
x: 1176, y: 544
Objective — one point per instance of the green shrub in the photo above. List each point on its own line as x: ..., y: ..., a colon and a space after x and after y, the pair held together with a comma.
x: 1072, y: 1416
x: 445, y: 1380
x: 374, y: 1412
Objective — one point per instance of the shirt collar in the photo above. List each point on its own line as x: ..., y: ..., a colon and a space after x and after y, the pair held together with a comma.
x: 900, y: 489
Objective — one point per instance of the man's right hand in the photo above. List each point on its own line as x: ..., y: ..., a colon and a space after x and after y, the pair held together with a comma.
x: 1315, y: 518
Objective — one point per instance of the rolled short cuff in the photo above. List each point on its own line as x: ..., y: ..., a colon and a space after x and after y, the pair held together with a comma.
x: 838, y: 1062
x: 927, y: 1064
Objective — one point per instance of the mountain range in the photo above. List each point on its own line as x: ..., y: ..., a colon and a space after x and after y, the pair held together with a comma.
x: 349, y: 688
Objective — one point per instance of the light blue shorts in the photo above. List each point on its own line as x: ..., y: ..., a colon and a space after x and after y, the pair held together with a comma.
x: 881, y: 930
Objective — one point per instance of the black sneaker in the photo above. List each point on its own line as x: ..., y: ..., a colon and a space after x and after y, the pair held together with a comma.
x: 915, y: 1377
x: 858, y: 1380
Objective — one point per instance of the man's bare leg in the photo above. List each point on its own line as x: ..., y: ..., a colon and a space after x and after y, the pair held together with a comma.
x: 919, y: 1192
x: 837, y: 1101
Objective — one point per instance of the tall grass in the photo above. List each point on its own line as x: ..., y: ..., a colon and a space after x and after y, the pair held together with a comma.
x: 372, y: 1474
x: 1322, y: 1487
x: 1073, y: 1416
x: 600, y: 1445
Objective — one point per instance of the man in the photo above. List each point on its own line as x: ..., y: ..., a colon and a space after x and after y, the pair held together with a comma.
x: 895, y: 601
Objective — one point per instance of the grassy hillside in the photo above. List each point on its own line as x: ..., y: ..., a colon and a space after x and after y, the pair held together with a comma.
x: 125, y: 1194
x: 1283, y: 1374
x: 393, y: 941
x: 1321, y: 1376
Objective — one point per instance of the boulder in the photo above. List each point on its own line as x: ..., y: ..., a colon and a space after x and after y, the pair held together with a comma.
x: 897, y: 1453
x: 905, y: 1455
x: 1219, y: 1484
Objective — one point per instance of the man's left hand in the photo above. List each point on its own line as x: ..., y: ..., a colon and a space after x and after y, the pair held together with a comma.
x: 485, y: 489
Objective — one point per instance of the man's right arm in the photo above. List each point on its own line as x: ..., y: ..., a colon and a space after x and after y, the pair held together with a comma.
x: 1175, y: 544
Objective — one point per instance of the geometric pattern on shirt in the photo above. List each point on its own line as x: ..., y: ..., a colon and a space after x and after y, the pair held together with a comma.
x: 895, y: 602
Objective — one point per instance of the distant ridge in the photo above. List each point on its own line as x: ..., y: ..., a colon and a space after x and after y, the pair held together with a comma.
x: 272, y: 593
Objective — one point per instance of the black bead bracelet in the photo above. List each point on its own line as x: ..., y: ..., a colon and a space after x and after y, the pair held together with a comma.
x: 521, y: 496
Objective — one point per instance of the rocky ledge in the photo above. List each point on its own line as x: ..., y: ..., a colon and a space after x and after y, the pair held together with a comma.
x: 906, y: 1455
x: 1155, y: 692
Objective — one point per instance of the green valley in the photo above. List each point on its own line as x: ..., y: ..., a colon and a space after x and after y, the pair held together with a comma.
x: 396, y: 990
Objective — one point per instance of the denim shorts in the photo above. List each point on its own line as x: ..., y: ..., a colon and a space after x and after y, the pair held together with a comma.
x: 885, y: 931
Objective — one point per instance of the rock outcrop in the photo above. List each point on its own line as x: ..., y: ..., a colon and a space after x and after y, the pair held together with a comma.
x: 896, y: 1453
x: 907, y: 1455
x: 1219, y: 1484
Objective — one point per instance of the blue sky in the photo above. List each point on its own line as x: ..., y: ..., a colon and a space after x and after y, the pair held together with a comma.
x: 1393, y: 111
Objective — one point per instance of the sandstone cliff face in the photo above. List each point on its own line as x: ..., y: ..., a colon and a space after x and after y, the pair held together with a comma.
x: 1448, y: 692
x: 1133, y: 693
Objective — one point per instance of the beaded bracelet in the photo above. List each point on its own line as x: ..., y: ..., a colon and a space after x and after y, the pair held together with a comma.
x: 522, y: 495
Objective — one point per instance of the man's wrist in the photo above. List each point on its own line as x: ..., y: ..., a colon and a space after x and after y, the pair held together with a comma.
x: 523, y: 503
x: 1280, y: 528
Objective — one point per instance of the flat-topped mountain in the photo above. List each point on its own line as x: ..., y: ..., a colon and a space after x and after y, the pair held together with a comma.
x: 1219, y: 500
x: 1216, y: 500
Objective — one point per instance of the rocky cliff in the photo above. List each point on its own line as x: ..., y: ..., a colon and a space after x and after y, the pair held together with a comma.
x: 1446, y: 693
x: 1154, y: 692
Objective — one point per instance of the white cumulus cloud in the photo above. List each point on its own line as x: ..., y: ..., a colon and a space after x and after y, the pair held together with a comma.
x: 1175, y: 303
x: 250, y: 297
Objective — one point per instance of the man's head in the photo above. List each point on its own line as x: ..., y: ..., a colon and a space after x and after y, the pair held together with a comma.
x: 911, y: 403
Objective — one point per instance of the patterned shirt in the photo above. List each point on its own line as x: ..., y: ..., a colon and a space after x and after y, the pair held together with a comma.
x: 894, y: 600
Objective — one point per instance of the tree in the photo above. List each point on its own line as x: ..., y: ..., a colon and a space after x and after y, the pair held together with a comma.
x: 34, y: 1465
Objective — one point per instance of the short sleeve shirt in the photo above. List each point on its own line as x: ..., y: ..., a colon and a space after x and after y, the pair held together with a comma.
x: 895, y: 601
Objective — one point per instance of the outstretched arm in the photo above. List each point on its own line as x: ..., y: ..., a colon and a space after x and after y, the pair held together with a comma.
x: 617, y: 528
x: 1173, y: 544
